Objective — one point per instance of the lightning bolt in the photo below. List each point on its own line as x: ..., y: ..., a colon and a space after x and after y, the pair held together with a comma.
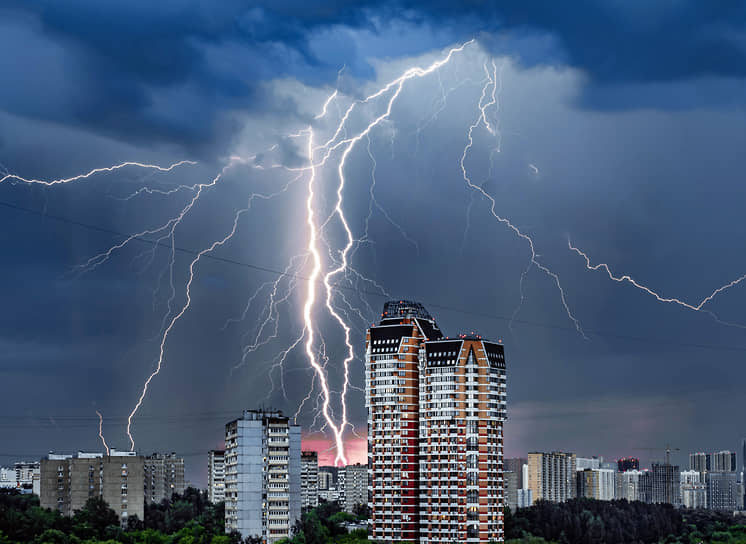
x: 101, y: 431
x: 698, y: 307
x: 93, y: 172
x: 483, y: 105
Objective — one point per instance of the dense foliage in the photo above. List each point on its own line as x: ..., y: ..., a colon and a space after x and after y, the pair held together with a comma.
x: 191, y: 519
x: 586, y: 521
x: 187, y: 519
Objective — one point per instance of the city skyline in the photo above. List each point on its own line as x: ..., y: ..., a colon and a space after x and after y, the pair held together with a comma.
x: 465, y: 184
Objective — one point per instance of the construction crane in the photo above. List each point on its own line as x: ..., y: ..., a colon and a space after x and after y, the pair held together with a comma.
x: 668, y: 450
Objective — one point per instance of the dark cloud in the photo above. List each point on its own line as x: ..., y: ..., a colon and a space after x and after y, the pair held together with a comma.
x: 173, y: 71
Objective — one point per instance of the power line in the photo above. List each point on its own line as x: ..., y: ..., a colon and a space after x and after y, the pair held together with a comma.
x: 337, y: 286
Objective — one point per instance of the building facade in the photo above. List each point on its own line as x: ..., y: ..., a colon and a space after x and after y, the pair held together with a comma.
x: 164, y: 476
x: 511, y: 487
x: 628, y: 463
x: 436, y: 409
x: 551, y: 476
x: 666, y: 484
x: 262, y: 475
x: 67, y: 482
x: 636, y: 485
x: 309, y: 480
x: 723, y: 491
x: 596, y: 483
x: 693, y: 489
x: 700, y: 462
x: 355, y: 486
x: 724, y: 461
x: 216, y: 476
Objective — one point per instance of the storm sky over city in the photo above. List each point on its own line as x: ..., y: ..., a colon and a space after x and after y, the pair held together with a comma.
x: 617, y: 126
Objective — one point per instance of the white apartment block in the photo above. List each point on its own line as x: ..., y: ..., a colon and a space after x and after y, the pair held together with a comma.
x: 309, y: 479
x: 216, y: 476
x: 262, y: 475
x: 355, y: 486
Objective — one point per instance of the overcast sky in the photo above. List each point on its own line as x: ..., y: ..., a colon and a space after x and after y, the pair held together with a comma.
x: 618, y: 125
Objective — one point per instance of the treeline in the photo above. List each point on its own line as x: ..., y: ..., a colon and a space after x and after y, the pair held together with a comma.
x: 587, y: 521
x: 326, y: 525
x: 185, y: 519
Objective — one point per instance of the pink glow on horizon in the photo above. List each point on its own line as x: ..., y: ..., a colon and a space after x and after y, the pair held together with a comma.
x: 356, y: 449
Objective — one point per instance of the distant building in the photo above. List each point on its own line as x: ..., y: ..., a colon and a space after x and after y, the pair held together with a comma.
x: 515, y: 464
x: 723, y: 491
x: 67, y: 482
x: 582, y: 463
x: 309, y: 479
x: 551, y: 476
x: 666, y: 484
x: 596, y: 484
x: 628, y: 463
x: 636, y: 485
x: 164, y: 476
x: 693, y: 489
x: 216, y: 476
x: 262, y: 475
x: 355, y: 486
x: 724, y: 461
x: 512, y: 486
x: 525, y: 498
x: 27, y: 477
x: 327, y: 477
x: 701, y: 462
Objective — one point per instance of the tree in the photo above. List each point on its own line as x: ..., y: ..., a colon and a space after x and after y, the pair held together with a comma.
x: 93, y: 519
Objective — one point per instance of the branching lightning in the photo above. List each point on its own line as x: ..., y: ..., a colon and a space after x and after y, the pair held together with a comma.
x: 699, y: 307
x: 322, y: 268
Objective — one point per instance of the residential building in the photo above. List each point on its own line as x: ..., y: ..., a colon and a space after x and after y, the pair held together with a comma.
x: 582, y: 463
x: 309, y: 480
x: 723, y: 491
x: 216, y: 476
x: 67, y: 482
x: 701, y: 462
x: 262, y: 475
x: 525, y: 498
x: 164, y: 476
x: 596, y: 483
x: 628, y: 463
x: 327, y: 477
x: 636, y: 485
x: 515, y: 464
x: 7, y: 478
x: 666, y: 484
x: 724, y: 461
x: 693, y: 489
x: 436, y: 408
x: 27, y: 477
x: 355, y: 486
x: 551, y: 476
x: 511, y: 480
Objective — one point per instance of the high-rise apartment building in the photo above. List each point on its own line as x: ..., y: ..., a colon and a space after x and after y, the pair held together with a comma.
x: 216, y: 476
x: 701, y: 462
x: 262, y: 475
x: 551, y: 476
x: 309, y: 480
x: 355, y: 486
x: 67, y: 482
x: 515, y: 464
x: 724, y: 461
x: 596, y: 483
x: 628, y: 463
x: 511, y: 487
x: 723, y: 491
x: 164, y: 476
x: 666, y: 484
x: 436, y: 408
x: 635, y: 485
x: 582, y: 463
x: 693, y: 489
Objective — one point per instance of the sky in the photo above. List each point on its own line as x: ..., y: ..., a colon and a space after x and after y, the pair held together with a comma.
x: 616, y: 126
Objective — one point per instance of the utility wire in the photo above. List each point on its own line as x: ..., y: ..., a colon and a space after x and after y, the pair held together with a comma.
x: 338, y: 286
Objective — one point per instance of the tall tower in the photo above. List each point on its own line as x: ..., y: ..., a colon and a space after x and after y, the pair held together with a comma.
x: 462, y: 411
x: 392, y: 398
x: 436, y: 408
